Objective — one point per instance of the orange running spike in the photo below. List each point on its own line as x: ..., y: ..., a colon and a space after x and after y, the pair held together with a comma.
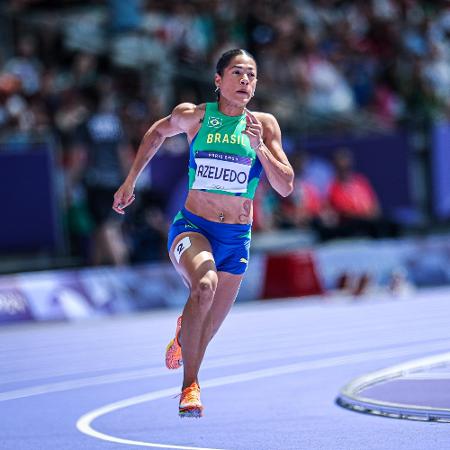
x: 190, y: 403
x: 174, y: 358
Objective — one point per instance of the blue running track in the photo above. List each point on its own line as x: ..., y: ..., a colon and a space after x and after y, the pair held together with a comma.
x: 269, y: 379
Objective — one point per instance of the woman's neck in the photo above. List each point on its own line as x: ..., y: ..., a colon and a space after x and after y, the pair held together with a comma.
x: 230, y: 109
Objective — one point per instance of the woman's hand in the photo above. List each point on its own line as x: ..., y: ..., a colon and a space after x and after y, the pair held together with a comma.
x: 123, y: 197
x: 254, y: 130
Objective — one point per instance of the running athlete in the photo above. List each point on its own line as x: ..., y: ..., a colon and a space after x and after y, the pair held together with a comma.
x: 209, y: 239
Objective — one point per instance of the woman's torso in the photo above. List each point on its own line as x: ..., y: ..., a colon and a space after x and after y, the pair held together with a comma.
x: 216, y: 206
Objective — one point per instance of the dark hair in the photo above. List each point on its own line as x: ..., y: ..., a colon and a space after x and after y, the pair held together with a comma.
x: 228, y: 56
x: 225, y: 59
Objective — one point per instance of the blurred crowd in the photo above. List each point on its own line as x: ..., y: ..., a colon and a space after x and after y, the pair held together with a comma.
x: 88, y: 78
x: 329, y: 197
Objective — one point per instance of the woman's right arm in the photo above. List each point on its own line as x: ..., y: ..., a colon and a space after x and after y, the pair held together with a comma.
x: 178, y: 122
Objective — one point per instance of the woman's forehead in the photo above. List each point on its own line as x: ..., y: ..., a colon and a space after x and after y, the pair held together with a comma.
x: 243, y: 61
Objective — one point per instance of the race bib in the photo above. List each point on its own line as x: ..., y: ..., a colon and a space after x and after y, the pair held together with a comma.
x: 221, y: 171
x: 181, y: 247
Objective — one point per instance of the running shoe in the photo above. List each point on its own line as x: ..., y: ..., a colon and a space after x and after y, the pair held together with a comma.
x: 190, y: 404
x: 174, y: 359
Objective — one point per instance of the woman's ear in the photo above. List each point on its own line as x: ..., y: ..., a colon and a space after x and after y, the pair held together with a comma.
x: 217, y: 80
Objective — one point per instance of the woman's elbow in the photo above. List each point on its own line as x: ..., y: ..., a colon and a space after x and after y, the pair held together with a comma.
x: 287, y: 191
x: 290, y: 183
x: 287, y: 188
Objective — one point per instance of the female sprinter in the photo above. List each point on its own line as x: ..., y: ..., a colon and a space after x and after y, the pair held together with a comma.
x: 209, y: 239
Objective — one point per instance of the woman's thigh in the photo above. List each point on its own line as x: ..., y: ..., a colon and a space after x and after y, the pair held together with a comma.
x: 192, y: 257
x: 227, y: 287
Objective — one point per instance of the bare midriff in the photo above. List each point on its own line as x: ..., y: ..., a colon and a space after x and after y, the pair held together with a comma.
x: 220, y: 208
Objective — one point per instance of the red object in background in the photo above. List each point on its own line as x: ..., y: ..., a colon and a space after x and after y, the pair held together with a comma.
x: 354, y: 197
x: 291, y: 275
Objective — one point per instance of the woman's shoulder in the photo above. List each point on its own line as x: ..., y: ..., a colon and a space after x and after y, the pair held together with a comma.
x: 188, y: 114
x: 189, y: 108
x: 268, y: 121
x: 265, y: 118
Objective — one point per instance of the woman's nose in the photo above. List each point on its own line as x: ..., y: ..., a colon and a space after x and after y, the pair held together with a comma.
x: 244, y: 80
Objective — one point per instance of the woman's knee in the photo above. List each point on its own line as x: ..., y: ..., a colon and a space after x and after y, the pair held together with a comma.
x: 204, y: 289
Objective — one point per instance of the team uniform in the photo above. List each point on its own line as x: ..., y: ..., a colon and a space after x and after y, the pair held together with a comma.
x: 221, y: 161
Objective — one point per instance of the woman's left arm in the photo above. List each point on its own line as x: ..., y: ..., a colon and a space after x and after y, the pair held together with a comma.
x: 265, y: 137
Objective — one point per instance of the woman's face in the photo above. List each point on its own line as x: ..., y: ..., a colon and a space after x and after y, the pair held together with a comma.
x: 238, y: 82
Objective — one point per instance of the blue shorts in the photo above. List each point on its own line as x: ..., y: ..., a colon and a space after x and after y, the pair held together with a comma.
x: 230, y: 243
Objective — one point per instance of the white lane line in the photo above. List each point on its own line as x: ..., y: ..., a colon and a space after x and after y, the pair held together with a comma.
x: 82, y: 383
x: 84, y: 422
x: 62, y: 386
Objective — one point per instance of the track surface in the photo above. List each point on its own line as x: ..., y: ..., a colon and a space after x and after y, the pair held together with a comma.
x: 269, y: 379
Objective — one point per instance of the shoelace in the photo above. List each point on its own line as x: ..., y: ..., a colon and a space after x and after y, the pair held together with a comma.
x: 191, y: 393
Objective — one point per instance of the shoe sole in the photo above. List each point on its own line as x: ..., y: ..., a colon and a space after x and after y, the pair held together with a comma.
x: 177, y: 363
x: 172, y: 365
x: 194, y: 412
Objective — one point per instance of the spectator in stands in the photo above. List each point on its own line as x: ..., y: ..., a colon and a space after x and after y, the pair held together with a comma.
x: 102, y: 139
x: 26, y: 65
x: 16, y: 119
x: 387, y: 106
x: 306, y: 208
x: 353, y: 199
x: 147, y: 229
x: 304, y: 205
x: 326, y: 90
x: 72, y: 111
x: 84, y: 71
x: 316, y: 170
x: 436, y: 73
x: 77, y: 218
x: 10, y: 87
x: 351, y: 194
